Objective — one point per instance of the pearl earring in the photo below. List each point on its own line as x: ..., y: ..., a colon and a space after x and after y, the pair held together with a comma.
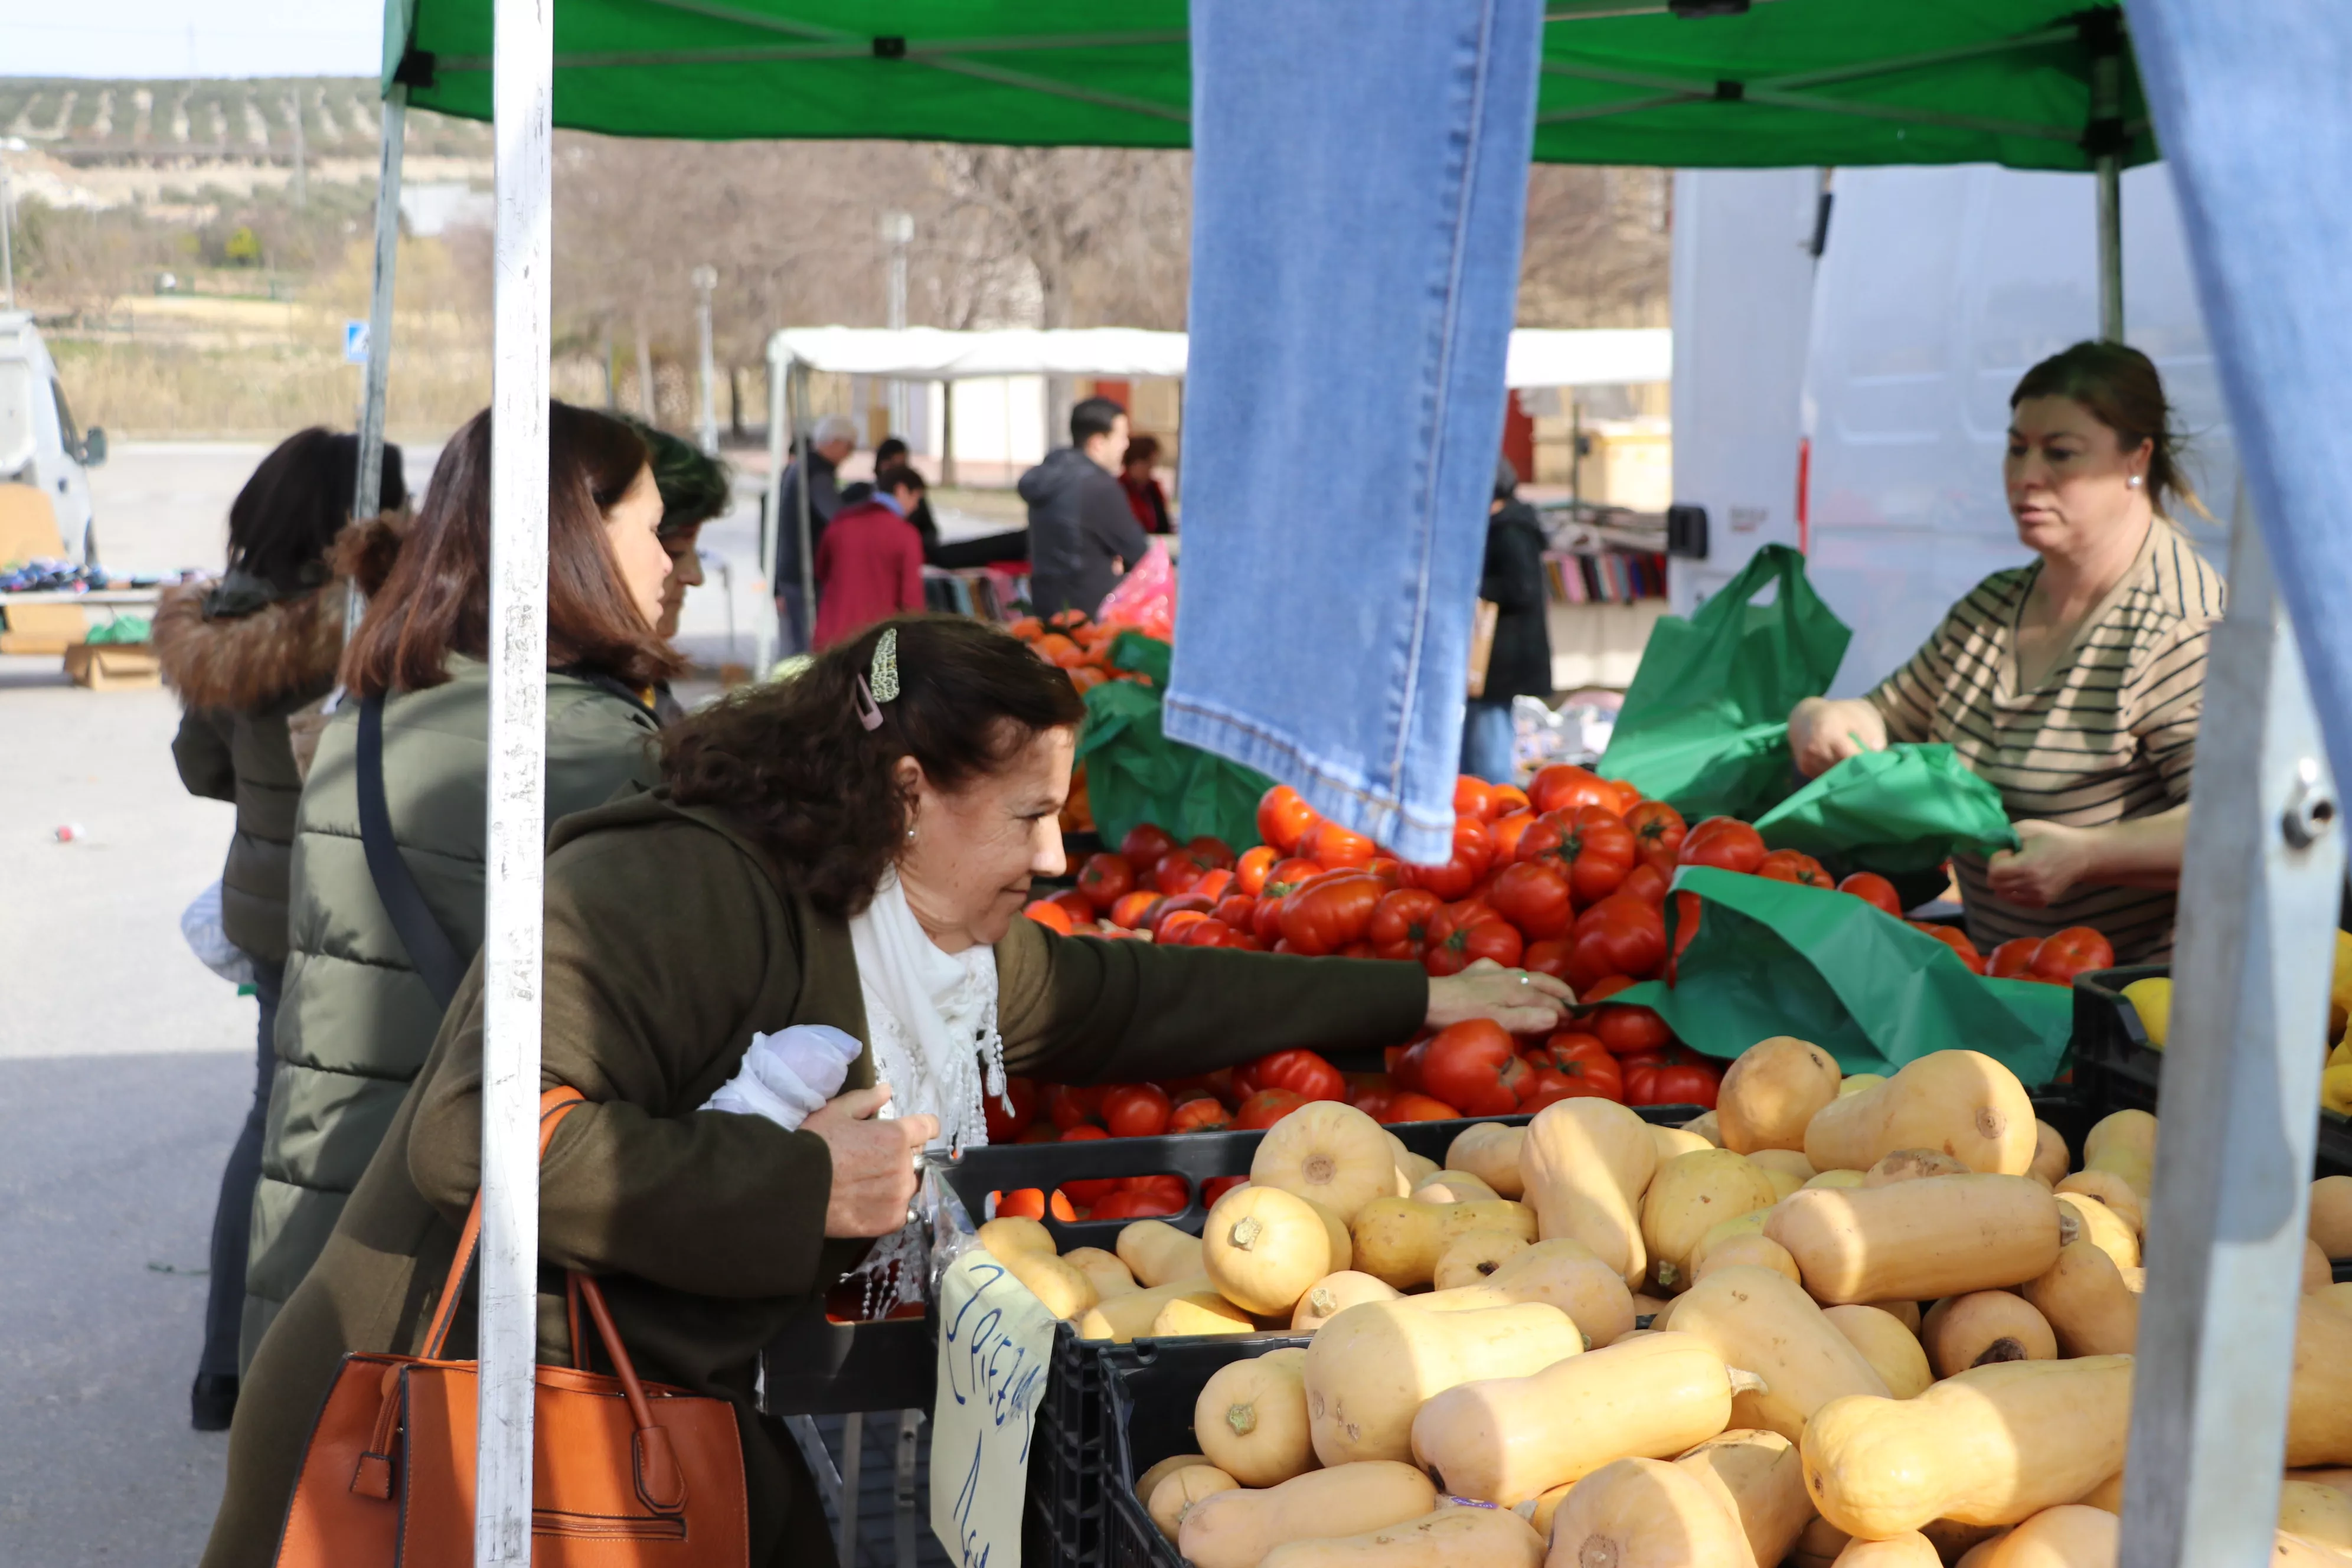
x: 910, y: 835
x: 2133, y: 482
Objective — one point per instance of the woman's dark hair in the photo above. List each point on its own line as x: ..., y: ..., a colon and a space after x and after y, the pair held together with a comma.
x: 891, y: 450
x: 435, y: 600
x: 695, y: 486
x: 1141, y: 450
x: 282, y: 521
x: 794, y: 766
x: 2120, y: 387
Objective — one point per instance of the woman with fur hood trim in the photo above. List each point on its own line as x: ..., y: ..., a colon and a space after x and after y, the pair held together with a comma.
x: 244, y: 652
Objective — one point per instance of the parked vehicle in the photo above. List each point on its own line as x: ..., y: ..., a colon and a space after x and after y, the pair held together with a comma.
x: 39, y: 443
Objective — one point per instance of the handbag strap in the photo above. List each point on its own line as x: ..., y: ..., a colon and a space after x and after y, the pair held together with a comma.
x: 430, y: 950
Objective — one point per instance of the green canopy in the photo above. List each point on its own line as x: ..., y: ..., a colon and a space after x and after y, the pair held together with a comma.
x: 1780, y: 83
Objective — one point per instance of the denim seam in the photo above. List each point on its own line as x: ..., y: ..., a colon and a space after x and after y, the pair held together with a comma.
x: 1255, y: 746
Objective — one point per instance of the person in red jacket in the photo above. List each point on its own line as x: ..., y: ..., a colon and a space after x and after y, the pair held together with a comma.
x: 869, y: 562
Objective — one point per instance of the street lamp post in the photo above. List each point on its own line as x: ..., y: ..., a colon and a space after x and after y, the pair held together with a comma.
x: 706, y: 279
x: 898, y: 232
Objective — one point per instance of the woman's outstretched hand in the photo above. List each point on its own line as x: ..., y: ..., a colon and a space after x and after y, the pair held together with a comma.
x: 873, y: 1162
x: 1521, y: 1001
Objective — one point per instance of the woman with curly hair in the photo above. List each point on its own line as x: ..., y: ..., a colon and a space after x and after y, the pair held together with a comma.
x: 843, y: 857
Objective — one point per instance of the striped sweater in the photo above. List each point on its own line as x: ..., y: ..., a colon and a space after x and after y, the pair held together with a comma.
x: 2110, y: 734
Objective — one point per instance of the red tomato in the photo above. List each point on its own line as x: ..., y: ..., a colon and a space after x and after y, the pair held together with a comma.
x: 1564, y: 787
x: 1216, y: 1187
x: 1203, y: 1115
x: 1166, y: 1194
x: 1289, y: 875
x: 1597, y: 852
x: 1628, y: 797
x: 1373, y: 1103
x: 1724, y: 842
x: 1619, y: 935
x: 1029, y: 1203
x: 1474, y: 1067
x: 1144, y: 845
x: 1067, y: 1106
x: 1547, y: 957
x: 1214, y: 883
x: 1302, y: 1072
x: 2013, y: 960
x: 1136, y: 911
x: 1533, y: 896
x: 1005, y: 1125
x: 1332, y: 846
x: 1181, y: 904
x: 1625, y: 1030
x: 1506, y: 831
x: 1136, y: 1109
x: 1406, y: 1070
x: 1582, y: 1058
x: 1283, y: 818
x: 1401, y: 922
x: 1410, y: 1106
x: 1040, y: 1132
x: 1104, y: 879
x: 1175, y: 923
x: 1647, y: 883
x: 1249, y: 871
x: 1211, y: 851
x: 1237, y: 911
x: 1329, y: 916
x: 1474, y: 849
x: 1793, y: 866
x: 1119, y: 1204
x: 1265, y: 921
x: 1211, y: 932
x: 1088, y: 1194
x: 1658, y: 833
x: 1606, y: 986
x: 1177, y: 871
x: 1455, y: 942
x: 1873, y: 890
x: 1050, y: 915
x: 1472, y: 798
x: 2071, y: 951
x: 1081, y: 908
x: 1957, y: 942
x: 1506, y: 800
x: 1266, y: 1108
x: 1671, y: 1083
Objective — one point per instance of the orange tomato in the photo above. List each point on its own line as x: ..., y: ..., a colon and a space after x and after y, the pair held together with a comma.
x: 1029, y: 1203
x: 1028, y: 628
x: 1250, y: 870
x: 1053, y: 917
x: 1505, y: 800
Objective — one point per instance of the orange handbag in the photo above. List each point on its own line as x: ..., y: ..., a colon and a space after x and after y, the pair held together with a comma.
x: 624, y: 1474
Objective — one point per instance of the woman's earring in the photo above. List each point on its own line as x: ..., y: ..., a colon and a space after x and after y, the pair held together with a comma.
x: 2133, y: 482
x: 910, y: 835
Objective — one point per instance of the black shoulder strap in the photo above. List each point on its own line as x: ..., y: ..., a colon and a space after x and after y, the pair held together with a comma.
x: 429, y: 947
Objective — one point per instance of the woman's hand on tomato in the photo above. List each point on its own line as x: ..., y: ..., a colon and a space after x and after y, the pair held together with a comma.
x: 1136, y: 1109
x: 1283, y: 818
x: 1475, y: 1067
x: 1302, y: 1072
x: 1523, y: 1004
x: 2052, y: 860
x: 1401, y: 922
x: 1875, y: 891
x: 1724, y: 842
x: 1468, y: 933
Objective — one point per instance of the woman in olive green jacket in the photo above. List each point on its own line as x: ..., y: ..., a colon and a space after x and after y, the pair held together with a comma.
x: 357, y: 1017
x: 803, y: 832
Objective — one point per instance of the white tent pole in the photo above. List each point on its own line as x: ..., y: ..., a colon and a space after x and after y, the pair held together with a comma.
x: 523, y: 104
x: 769, y: 524
x: 368, y: 499
x: 2107, y: 169
x: 800, y: 389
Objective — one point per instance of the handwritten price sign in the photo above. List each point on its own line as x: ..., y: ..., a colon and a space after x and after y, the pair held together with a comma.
x: 995, y: 1339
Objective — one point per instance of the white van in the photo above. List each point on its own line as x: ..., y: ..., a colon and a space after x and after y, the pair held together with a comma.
x: 39, y: 443
x: 1856, y: 404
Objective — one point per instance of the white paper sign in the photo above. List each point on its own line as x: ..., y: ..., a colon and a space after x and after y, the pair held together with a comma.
x: 996, y: 1340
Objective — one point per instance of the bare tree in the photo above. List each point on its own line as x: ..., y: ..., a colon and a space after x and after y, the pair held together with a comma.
x: 1597, y: 247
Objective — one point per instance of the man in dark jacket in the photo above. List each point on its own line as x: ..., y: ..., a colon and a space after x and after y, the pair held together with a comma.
x: 1081, y: 536
x: 1519, y: 664
x: 833, y: 439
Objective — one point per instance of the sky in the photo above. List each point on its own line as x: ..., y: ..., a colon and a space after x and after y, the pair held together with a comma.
x: 120, y: 38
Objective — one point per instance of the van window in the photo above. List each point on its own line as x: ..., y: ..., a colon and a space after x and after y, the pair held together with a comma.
x: 17, y: 435
x: 71, y: 436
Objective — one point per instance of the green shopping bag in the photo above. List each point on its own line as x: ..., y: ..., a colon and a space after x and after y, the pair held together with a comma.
x: 1903, y: 809
x: 1777, y: 958
x: 1704, y: 725
x: 1135, y: 774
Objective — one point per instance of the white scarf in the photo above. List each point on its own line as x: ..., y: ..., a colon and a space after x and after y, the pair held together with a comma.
x: 930, y: 1018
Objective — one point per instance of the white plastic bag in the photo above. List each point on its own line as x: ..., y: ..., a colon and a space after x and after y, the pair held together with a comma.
x: 200, y: 923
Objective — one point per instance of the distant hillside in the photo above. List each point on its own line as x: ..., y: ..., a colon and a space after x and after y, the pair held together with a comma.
x: 85, y: 122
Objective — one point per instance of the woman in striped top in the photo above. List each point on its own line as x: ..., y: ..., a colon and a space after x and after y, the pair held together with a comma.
x: 2072, y: 685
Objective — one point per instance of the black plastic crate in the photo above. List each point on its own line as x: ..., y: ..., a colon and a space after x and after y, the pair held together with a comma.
x: 1150, y: 1389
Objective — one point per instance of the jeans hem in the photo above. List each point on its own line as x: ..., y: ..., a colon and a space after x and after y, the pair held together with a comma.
x: 1378, y: 812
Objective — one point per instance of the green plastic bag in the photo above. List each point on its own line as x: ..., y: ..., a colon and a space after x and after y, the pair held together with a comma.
x: 1704, y: 725
x: 1136, y: 775
x: 1776, y: 958
x: 1903, y: 809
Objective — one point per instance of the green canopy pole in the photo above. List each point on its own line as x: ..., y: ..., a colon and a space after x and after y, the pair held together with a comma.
x: 368, y: 498
x: 2107, y: 142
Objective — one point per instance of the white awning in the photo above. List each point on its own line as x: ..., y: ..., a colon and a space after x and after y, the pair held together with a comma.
x: 1602, y: 357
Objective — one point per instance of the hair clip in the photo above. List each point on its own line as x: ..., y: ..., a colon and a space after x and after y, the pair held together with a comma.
x: 885, y: 687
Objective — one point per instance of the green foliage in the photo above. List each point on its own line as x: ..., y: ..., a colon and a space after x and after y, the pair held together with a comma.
x: 243, y: 247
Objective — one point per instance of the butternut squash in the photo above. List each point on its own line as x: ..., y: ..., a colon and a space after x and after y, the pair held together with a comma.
x: 1175, y: 1497
x: 1376, y: 1363
x: 1453, y: 1187
x: 2335, y: 1476
x: 1819, y: 1542
x: 2051, y: 1158
x: 1748, y: 1224
x: 1507, y: 1439
x: 1250, y: 1418
x: 1858, y: 1082
x: 1976, y: 1556
x: 2125, y: 1144
x: 1334, y: 1294
x: 2319, y: 1274
x: 2319, y: 1403
x: 1940, y: 1236
x: 1836, y: 1179
x: 2067, y: 1536
x: 1758, y: 1321
x: 2081, y: 1218
x: 1558, y: 1273
x: 1674, y: 1141
x: 1892, y: 1350
x: 1123, y: 1318
x: 2316, y: 1512
x: 1148, y: 1482
x: 1789, y: 1168
x: 1993, y: 1445
x: 1065, y: 1290
x: 1985, y: 1326
x: 1905, y: 1312
x: 2092, y: 1305
x: 1237, y: 1529
x: 1490, y: 1152
x: 1909, y: 1166
x: 1261, y: 1248
x: 1469, y: 1259
x: 1109, y: 1276
x: 1187, y: 1317
x: 2113, y: 1191
x: 2331, y: 1216
x: 1955, y: 1540
x: 1010, y: 1236
x: 1687, y: 1195
x: 1961, y: 1103
x: 1400, y: 1239
x: 1760, y: 1477
x: 1412, y: 1169
x: 1641, y: 1513
x: 1758, y: 1251
x: 1331, y: 1152
x: 1586, y: 1164
x: 1707, y: 1125
x: 1453, y: 1537
x: 1158, y: 1254
x: 1771, y: 1090
x: 1908, y: 1549
x: 2289, y: 1551
x: 2108, y: 1494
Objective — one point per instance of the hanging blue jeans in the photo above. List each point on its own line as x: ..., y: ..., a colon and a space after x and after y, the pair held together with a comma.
x: 1358, y: 196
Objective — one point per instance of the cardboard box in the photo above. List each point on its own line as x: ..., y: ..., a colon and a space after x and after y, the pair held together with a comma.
x: 113, y: 667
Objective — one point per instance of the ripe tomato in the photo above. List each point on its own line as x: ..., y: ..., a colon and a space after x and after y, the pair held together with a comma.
x: 1205, y: 1114
x: 1302, y: 1072
x: 1582, y: 1056
x: 1177, y: 870
x: 1029, y: 1203
x: 1507, y: 833
x: 1658, y: 833
x: 1793, y: 866
x: 1166, y: 1194
x: 1067, y: 1106
x: 1457, y: 942
x: 1214, y: 883
x: 1628, y: 797
x: 1625, y: 1030
x: 1332, y: 846
x: 1330, y: 915
x: 1176, y: 924
x: 1549, y: 957
x: 1473, y: 1067
x: 2013, y: 960
x: 1405, y: 1067
x: 1136, y: 1109
x: 1957, y: 942
x: 1410, y: 1106
x: 1266, y: 1108
x: 1873, y: 890
x: 1265, y: 921
x: 1088, y: 1194
x: 1214, y: 932
x: 1250, y: 870
x: 1006, y: 1124
x: 1183, y: 904
x: 1401, y: 922
x: 1619, y: 935
x: 1564, y: 786
x: 1237, y: 911
x: 1724, y: 842
x: 1145, y: 844
x: 1598, y: 851
x: 1647, y: 883
x: 1474, y: 849
x: 1533, y: 896
x: 1081, y: 909
x: 1506, y: 800
x: 1050, y: 915
x: 1671, y: 1083
x: 1472, y: 796
x: 2071, y: 951
x: 1104, y: 879
x: 1211, y: 851
x: 1216, y: 1187
x: 1283, y: 818
x: 1119, y: 1203
x: 1373, y: 1103
x: 1136, y: 911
